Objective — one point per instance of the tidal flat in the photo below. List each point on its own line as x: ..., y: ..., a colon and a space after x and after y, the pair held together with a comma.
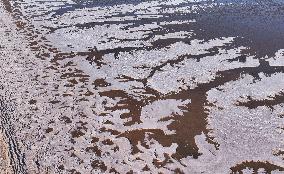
x: 140, y: 86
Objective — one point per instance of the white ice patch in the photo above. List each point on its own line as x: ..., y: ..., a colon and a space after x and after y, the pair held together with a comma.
x: 278, y: 60
x: 246, y: 87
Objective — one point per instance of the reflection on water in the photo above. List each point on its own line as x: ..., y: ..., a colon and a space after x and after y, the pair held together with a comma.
x: 178, y: 86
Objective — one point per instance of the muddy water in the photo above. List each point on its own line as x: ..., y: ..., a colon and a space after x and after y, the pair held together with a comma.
x: 176, y: 86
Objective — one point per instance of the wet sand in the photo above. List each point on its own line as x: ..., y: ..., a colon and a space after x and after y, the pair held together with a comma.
x: 177, y: 86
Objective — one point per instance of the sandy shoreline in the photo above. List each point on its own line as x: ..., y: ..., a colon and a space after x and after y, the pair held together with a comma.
x: 17, y: 70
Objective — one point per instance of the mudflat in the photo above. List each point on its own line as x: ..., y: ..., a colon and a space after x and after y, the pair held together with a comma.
x: 137, y: 86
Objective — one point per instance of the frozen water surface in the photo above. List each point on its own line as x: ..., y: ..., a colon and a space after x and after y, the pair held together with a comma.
x: 139, y: 86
